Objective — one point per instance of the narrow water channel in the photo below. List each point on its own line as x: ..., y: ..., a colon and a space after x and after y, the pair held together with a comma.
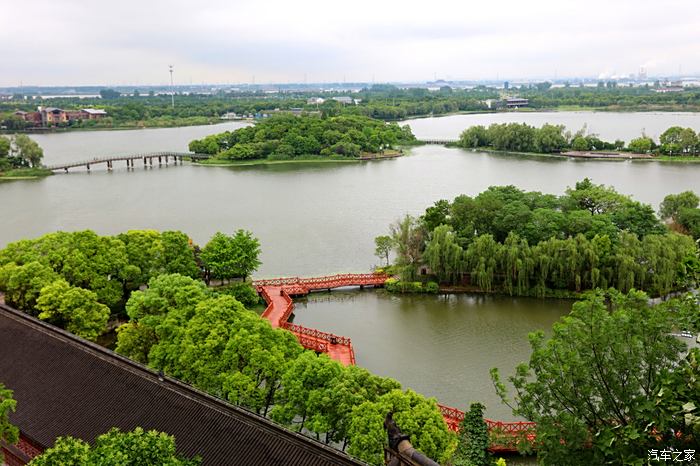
x: 441, y: 346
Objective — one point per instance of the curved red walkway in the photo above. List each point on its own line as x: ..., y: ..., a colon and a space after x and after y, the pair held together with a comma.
x: 278, y: 293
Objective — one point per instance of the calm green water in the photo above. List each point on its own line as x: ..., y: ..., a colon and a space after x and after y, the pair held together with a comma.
x: 440, y: 346
x: 315, y: 219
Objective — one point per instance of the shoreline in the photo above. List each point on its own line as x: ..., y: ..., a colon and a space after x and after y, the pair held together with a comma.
x: 561, y: 156
x: 257, y: 162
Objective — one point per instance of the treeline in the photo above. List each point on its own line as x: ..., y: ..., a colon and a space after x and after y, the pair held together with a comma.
x: 206, y: 337
x: 612, y: 97
x: 528, y: 243
x: 287, y: 136
x: 521, y: 137
x: 78, y: 280
x: 382, y: 101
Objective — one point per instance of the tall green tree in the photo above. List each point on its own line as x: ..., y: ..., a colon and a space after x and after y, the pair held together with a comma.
x: 672, y: 204
x: 28, y: 150
x: 444, y: 255
x: 592, y: 387
x: 641, y: 145
x: 75, y: 309
x: 408, y: 235
x: 383, y: 246
x: 158, y: 314
x: 116, y: 448
x: 418, y: 417
x: 473, y: 439
x: 227, y: 257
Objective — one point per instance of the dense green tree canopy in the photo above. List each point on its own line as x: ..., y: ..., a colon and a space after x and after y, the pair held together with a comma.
x: 506, y: 239
x: 231, y: 256
x: 75, y: 309
x: 288, y: 136
x: 28, y: 150
x: 609, y: 384
x: 116, y: 448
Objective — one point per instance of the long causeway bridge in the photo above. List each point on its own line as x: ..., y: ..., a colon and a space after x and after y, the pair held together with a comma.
x: 131, y: 160
x: 278, y: 294
x: 438, y: 141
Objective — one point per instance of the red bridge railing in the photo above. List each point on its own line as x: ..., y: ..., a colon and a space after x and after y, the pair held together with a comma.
x: 503, y: 436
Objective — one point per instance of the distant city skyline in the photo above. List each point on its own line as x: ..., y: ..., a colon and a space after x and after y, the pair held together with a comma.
x: 226, y: 42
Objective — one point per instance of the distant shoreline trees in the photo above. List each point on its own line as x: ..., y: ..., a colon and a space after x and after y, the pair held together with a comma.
x: 548, y: 139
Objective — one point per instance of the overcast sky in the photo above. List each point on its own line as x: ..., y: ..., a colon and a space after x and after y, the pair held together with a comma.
x: 72, y: 42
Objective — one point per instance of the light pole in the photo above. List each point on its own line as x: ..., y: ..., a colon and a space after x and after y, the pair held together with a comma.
x: 172, y: 88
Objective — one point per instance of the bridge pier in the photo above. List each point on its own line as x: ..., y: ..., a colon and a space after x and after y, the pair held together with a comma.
x: 166, y: 159
x: 66, y: 169
x: 87, y: 165
x: 109, y: 165
x: 150, y: 162
x: 160, y: 160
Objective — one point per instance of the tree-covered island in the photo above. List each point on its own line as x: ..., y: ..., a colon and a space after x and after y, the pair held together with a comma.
x: 287, y: 137
x: 533, y: 244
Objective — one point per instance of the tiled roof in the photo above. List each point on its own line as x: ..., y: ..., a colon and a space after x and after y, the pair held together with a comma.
x: 65, y: 385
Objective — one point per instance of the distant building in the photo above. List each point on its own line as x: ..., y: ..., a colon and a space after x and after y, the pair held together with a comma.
x: 345, y: 100
x: 315, y: 101
x: 671, y: 86
x: 92, y: 113
x: 50, y: 116
x: 516, y: 102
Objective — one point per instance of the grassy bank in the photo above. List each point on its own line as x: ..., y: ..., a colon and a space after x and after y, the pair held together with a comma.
x: 25, y: 174
x: 214, y: 162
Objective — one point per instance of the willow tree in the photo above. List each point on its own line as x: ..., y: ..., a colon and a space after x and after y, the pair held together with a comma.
x: 482, y: 261
x: 516, y: 263
x: 444, y: 256
x: 409, y: 239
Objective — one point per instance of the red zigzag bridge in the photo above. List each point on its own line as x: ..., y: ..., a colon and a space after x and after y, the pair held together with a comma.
x: 278, y: 294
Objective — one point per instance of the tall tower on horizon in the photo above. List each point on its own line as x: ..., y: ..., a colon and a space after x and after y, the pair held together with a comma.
x: 172, y: 87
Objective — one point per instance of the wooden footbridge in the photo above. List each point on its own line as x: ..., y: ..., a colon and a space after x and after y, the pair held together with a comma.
x: 278, y: 294
x: 440, y: 142
x: 131, y: 160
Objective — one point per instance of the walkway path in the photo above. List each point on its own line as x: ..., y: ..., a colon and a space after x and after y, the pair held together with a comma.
x: 278, y: 293
x: 130, y: 160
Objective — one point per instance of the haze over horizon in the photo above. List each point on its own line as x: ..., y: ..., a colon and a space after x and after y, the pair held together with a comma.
x: 69, y: 44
